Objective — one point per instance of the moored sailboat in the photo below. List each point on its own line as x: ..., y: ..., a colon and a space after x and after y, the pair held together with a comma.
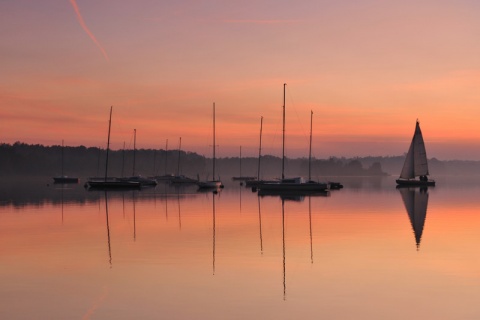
x: 214, y: 183
x: 110, y: 183
x: 63, y: 178
x: 297, y: 184
x: 416, y: 164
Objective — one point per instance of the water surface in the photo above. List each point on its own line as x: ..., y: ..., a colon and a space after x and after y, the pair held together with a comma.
x: 368, y: 251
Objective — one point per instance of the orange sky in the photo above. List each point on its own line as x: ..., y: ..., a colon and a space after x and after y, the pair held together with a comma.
x: 368, y: 69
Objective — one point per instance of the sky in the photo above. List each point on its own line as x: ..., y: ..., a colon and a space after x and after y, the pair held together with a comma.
x: 367, y: 69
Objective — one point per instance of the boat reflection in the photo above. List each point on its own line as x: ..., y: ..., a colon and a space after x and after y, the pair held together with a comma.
x: 416, y: 202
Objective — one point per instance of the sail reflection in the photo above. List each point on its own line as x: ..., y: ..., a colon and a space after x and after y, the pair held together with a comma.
x: 416, y: 202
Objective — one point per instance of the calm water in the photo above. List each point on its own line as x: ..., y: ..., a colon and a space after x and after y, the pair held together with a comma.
x: 368, y: 251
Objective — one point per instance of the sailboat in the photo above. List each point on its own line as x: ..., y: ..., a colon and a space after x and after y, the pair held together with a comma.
x: 214, y: 183
x: 255, y: 182
x: 241, y: 177
x: 180, y: 178
x: 111, y: 183
x: 296, y: 184
x: 63, y: 178
x: 135, y: 177
x: 416, y: 164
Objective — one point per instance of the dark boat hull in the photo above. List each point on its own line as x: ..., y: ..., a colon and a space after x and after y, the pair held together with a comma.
x: 113, y: 185
x: 65, y: 180
x: 415, y: 183
x: 281, y: 186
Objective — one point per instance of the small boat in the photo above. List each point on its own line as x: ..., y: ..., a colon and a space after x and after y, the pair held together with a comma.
x: 113, y: 184
x: 291, y: 184
x: 254, y: 183
x: 180, y: 178
x: 241, y: 177
x: 416, y: 164
x: 135, y: 177
x: 211, y: 184
x: 63, y: 178
x: 142, y: 180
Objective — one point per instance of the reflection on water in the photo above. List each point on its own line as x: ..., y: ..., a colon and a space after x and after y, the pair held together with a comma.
x: 416, y: 202
x: 174, y: 253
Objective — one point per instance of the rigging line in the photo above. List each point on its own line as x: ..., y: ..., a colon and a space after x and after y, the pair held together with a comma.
x: 302, y: 125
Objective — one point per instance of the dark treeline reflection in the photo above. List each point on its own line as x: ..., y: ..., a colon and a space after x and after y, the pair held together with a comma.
x: 38, y: 191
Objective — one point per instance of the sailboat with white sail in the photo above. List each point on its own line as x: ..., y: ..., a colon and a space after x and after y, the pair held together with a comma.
x: 291, y: 184
x: 416, y: 164
x: 214, y: 183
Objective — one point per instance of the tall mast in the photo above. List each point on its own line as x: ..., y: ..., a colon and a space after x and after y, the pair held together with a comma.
x: 260, y: 148
x: 166, y: 156
x: 123, y: 158
x: 179, y: 148
x: 283, y: 141
x: 240, y: 161
x: 310, y: 151
x: 134, y: 149
x: 62, y: 158
x: 213, y: 141
x: 108, y: 142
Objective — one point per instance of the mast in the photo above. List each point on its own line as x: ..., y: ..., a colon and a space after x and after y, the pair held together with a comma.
x: 134, y: 149
x: 283, y: 140
x: 240, y: 161
x: 310, y: 151
x: 260, y: 149
x: 166, y: 156
x: 213, y: 141
x: 123, y: 158
x: 108, y: 142
x: 179, y: 148
x: 62, y: 157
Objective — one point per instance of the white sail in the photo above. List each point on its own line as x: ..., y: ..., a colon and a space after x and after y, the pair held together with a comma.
x: 416, y: 160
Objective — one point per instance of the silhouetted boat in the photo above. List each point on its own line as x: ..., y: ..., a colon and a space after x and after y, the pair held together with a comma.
x: 297, y: 183
x: 137, y: 178
x: 111, y: 183
x: 180, y: 178
x: 211, y: 184
x: 416, y: 164
x: 241, y: 177
x: 255, y: 182
x: 63, y: 178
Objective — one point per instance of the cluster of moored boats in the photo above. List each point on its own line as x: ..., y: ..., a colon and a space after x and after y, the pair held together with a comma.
x: 414, y: 172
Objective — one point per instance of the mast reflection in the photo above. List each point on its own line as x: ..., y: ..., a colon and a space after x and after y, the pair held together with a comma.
x: 416, y: 202
x: 108, y: 231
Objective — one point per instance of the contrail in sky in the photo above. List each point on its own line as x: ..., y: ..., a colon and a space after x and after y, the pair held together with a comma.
x: 85, y: 28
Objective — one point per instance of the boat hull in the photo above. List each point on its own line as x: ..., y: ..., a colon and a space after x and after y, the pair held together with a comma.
x: 210, y: 184
x: 113, y: 185
x: 65, y: 180
x: 282, y: 186
x: 415, y: 183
